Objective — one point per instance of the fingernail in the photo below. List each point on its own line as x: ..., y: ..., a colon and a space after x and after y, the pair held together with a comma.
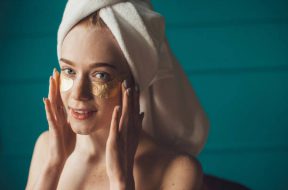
x: 53, y: 74
x: 51, y: 79
x: 128, y: 91
x: 126, y: 85
x: 136, y: 88
x: 56, y: 71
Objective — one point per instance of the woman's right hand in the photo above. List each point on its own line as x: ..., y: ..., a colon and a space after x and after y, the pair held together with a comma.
x: 61, y: 137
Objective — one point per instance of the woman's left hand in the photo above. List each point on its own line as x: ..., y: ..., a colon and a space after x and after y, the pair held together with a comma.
x: 125, y: 130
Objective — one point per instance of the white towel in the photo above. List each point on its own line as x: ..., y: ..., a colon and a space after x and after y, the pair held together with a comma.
x: 173, y: 115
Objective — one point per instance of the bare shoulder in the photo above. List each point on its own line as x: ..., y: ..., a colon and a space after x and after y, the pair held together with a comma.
x: 38, y: 157
x: 178, y: 170
x: 182, y: 172
x: 41, y: 145
x: 184, y: 161
x: 43, y: 138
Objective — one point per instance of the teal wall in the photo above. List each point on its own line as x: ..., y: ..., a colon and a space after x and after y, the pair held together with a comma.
x: 236, y: 56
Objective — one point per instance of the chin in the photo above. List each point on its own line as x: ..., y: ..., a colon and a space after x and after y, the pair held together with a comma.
x: 82, y: 129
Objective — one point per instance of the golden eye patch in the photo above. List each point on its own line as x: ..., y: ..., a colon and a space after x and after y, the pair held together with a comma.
x: 99, y: 89
x: 105, y: 90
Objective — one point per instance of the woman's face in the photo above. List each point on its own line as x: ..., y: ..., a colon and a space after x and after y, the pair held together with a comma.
x: 92, y: 65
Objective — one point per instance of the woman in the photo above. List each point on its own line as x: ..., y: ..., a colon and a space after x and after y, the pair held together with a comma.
x: 95, y: 106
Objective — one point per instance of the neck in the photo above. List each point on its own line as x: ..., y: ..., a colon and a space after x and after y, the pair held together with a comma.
x: 92, y: 146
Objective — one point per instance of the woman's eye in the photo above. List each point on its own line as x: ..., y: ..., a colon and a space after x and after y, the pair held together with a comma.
x: 103, y: 76
x: 68, y: 71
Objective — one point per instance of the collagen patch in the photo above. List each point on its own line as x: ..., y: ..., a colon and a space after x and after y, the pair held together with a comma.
x: 98, y: 89
x: 65, y: 83
x: 105, y: 90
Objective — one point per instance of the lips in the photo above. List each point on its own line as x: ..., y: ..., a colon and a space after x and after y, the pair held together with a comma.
x: 81, y: 114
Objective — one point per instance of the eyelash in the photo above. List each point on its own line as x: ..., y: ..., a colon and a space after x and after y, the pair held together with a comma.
x: 71, y: 70
x: 67, y: 69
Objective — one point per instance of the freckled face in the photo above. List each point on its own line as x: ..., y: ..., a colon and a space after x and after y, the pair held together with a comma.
x: 92, y: 69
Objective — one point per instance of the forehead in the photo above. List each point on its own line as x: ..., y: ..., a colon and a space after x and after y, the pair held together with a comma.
x: 84, y: 46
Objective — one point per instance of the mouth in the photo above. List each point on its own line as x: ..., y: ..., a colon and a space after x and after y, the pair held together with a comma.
x: 81, y: 114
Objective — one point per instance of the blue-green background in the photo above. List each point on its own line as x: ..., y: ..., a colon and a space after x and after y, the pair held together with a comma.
x: 236, y: 56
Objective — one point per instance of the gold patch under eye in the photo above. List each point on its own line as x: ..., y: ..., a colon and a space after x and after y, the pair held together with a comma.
x: 105, y: 90
x: 99, y: 89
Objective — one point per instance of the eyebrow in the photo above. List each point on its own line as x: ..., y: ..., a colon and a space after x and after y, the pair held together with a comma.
x: 98, y: 64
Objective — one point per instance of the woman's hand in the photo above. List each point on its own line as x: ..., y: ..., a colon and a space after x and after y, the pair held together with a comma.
x: 60, y: 134
x: 125, y: 129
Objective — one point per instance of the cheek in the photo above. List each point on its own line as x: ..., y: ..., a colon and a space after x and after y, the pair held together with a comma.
x: 106, y: 107
x: 64, y: 98
x: 108, y: 97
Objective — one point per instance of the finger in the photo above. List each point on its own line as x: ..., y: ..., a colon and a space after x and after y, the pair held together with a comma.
x: 141, y: 120
x: 125, y: 106
x: 49, y: 114
x: 58, y: 101
x: 114, y: 124
x: 54, y: 76
x: 129, y: 83
x: 50, y: 93
x: 52, y: 90
x: 57, y: 84
x: 57, y: 81
x: 136, y: 99
x: 56, y: 98
x: 137, y: 108
x: 120, y: 102
x: 61, y: 115
x: 55, y: 93
x: 53, y: 99
x: 132, y: 106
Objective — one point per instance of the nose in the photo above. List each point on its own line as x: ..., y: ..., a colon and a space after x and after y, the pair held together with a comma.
x: 81, y: 89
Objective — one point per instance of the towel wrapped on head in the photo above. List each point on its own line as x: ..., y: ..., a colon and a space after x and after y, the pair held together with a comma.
x: 173, y: 115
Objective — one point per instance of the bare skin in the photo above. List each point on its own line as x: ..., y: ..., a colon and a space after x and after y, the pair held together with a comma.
x: 109, y: 149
